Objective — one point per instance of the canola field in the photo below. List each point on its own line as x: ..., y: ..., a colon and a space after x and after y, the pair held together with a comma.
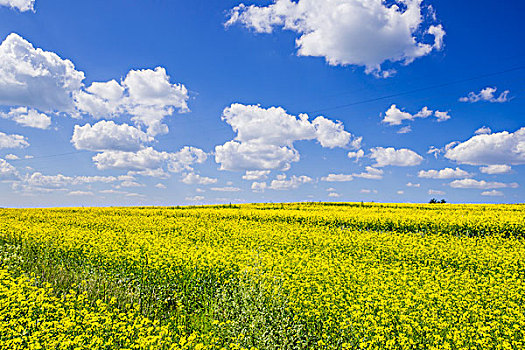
x: 264, y: 276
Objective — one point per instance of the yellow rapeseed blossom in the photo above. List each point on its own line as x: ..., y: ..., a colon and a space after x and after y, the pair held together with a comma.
x: 264, y: 276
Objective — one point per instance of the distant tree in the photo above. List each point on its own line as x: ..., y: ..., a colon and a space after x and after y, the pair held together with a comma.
x: 434, y: 201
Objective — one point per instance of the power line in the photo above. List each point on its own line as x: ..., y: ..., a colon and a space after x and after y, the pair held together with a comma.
x: 416, y: 90
x: 47, y: 156
x: 426, y: 88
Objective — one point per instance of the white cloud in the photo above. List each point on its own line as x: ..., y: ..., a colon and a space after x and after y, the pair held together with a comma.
x: 357, y: 155
x: 483, y: 130
x: 334, y: 195
x: 265, y: 137
x: 235, y: 155
x: 365, y: 190
x: 259, y: 186
x: 435, y: 192
x: 147, y: 95
x: 447, y: 173
x: 331, y: 134
x: 130, y: 183
x: 395, y: 116
x: 161, y: 186
x: 106, y: 136
x: 371, y: 174
x: 40, y: 182
x: 28, y: 117
x: 192, y: 179
x: 400, y: 192
x: 337, y: 178
x: 347, y: 32
x: 486, y: 94
x: 391, y: 156
x: 441, y: 116
x: 331, y: 189
x: 492, y: 193
x: 471, y: 183
x: 36, y: 78
x: 435, y: 151
x: 20, y: 5
x: 183, y: 159
x: 439, y: 33
x: 410, y: 184
x: 146, y: 158
x: 496, y: 169
x: 11, y: 156
x: 405, y: 130
x: 41, y: 80
x: 150, y: 162
x: 256, y: 175
x: 225, y: 189
x: 12, y: 141
x: 7, y: 171
x: 490, y: 149
x: 282, y: 183
x: 80, y: 193
x: 195, y: 199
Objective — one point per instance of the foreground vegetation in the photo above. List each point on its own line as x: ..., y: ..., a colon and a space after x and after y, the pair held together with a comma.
x: 291, y: 276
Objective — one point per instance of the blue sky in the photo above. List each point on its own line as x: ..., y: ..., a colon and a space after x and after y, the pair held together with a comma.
x: 170, y: 102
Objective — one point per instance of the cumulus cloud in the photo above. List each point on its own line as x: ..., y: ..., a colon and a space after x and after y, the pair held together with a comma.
x: 367, y: 191
x: 488, y: 95
x: 149, y: 159
x: 284, y: 183
x: 496, y: 169
x: 357, y: 154
x: 371, y: 174
x: 482, y: 185
x: 36, y: 78
x: 334, y: 195
x: 447, y: 173
x: 265, y: 137
x: 256, y: 175
x: 11, y: 156
x: 337, y: 178
x: 183, y: 159
x: 20, y: 5
x: 258, y: 186
x: 396, y: 157
x: 483, y: 130
x: 12, y: 141
x: 395, y: 116
x: 28, y: 117
x: 42, y: 80
x: 348, y: 32
x: 490, y: 149
x: 410, y: 184
x: 7, y: 171
x: 40, y: 182
x: 492, y: 193
x: 106, y: 135
x: 147, y: 95
x: 405, y: 130
x: 80, y: 193
x: 225, y: 189
x: 196, y: 179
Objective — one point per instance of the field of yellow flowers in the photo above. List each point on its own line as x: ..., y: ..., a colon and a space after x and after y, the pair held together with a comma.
x: 264, y: 276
